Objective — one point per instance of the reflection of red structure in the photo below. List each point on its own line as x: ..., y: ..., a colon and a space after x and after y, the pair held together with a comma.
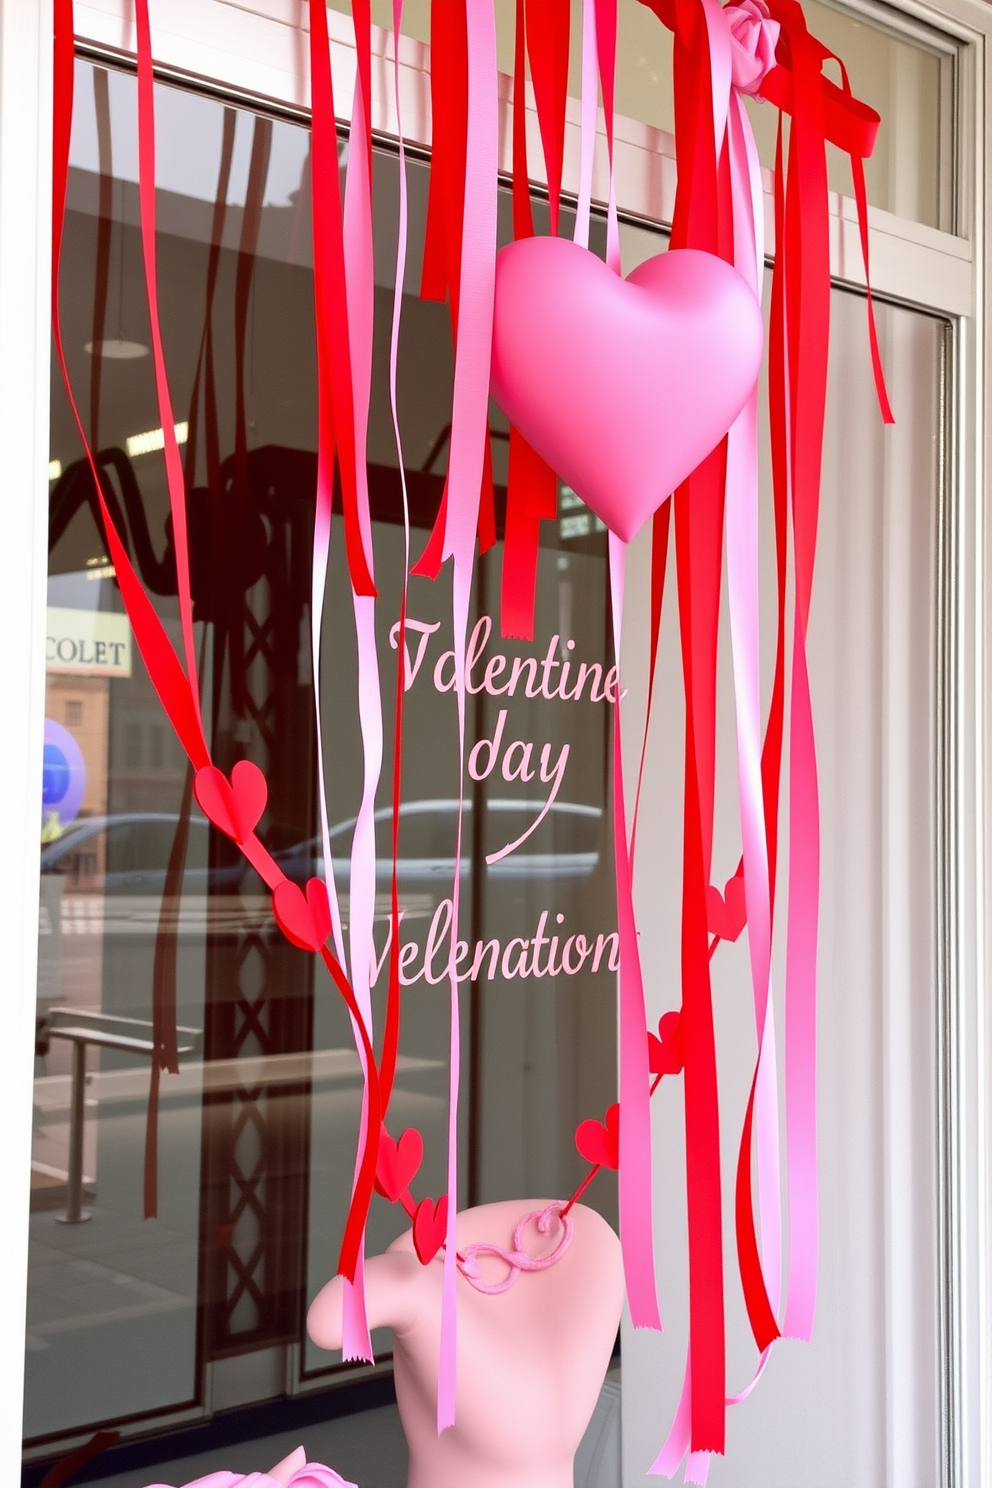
x: 259, y: 988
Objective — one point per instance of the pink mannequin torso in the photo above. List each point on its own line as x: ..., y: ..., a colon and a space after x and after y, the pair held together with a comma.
x: 531, y: 1360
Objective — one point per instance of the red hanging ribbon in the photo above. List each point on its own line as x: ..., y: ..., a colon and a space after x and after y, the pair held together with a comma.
x: 531, y: 497
x: 335, y: 399
x: 168, y: 677
x: 547, y: 47
x: 172, y: 684
x: 760, y: 1315
x: 441, y: 273
x: 523, y: 216
x: 698, y: 507
x: 532, y: 485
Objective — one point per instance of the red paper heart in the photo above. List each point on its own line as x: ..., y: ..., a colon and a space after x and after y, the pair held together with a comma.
x: 666, y: 1055
x: 726, y: 913
x: 599, y: 1141
x: 304, y: 921
x: 430, y: 1223
x: 235, y: 806
x: 398, y: 1163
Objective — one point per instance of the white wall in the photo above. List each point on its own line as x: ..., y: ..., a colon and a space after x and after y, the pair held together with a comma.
x: 860, y: 1405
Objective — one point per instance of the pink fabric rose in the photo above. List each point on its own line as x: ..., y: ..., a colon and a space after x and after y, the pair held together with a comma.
x: 753, y: 39
x: 313, y: 1475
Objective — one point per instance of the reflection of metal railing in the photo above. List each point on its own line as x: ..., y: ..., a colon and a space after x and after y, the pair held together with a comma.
x: 103, y: 1031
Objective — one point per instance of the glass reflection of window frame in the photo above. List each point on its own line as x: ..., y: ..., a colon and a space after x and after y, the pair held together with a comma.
x: 137, y: 732
x: 913, y: 31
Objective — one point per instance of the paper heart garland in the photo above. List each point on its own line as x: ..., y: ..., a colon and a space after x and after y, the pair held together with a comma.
x: 398, y: 1163
x: 306, y: 921
x: 666, y: 1053
x: 430, y: 1222
x: 599, y: 1141
x: 235, y: 806
x: 726, y: 913
x: 622, y: 385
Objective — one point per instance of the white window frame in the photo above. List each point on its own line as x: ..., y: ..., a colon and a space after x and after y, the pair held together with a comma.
x: 256, y: 50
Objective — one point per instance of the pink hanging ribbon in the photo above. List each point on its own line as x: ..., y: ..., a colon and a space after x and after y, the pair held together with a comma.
x: 763, y: 1281
x: 742, y: 575
x: 360, y: 290
x: 343, y: 262
x: 390, y: 1042
x: 466, y: 463
x: 599, y: 50
x: 634, y: 1174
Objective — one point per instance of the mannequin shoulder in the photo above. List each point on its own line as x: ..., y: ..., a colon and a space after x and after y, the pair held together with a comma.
x: 396, y: 1291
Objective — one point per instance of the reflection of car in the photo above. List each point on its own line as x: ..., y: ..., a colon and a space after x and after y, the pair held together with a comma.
x: 564, y: 845
x: 129, y: 853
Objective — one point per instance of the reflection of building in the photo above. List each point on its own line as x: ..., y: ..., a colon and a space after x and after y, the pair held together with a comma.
x: 82, y: 705
x: 145, y: 755
x: 84, y: 649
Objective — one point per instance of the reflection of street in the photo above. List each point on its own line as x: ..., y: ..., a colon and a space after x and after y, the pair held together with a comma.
x: 87, y: 938
x: 92, y: 916
x: 116, y: 1277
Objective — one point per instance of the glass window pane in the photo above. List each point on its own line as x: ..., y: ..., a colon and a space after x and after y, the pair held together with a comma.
x: 256, y: 1135
x: 909, y: 82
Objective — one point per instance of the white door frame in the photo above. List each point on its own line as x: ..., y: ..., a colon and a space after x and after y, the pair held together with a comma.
x: 255, y: 50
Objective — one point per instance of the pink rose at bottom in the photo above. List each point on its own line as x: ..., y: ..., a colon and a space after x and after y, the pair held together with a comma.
x: 293, y: 1472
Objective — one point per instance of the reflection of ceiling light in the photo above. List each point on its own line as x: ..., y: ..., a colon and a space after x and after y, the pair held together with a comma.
x: 581, y: 522
x: 54, y: 469
x: 154, y: 439
x: 116, y: 350
x: 100, y: 568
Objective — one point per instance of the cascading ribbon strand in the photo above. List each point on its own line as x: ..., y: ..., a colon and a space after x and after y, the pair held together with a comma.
x: 466, y: 467
x: 634, y: 1172
x: 172, y: 684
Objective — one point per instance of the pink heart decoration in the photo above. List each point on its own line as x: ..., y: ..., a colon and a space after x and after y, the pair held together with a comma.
x: 398, y: 1163
x: 623, y: 385
x: 234, y: 806
x: 304, y: 921
x: 430, y: 1224
x: 599, y: 1141
x: 666, y: 1053
x: 726, y: 913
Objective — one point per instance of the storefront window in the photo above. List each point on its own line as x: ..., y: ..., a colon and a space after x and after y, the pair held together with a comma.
x: 247, y: 1161
x: 905, y: 72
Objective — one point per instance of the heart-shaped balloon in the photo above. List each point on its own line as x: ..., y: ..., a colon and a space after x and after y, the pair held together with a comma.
x: 430, y: 1224
x: 726, y: 913
x: 306, y: 921
x: 398, y: 1163
x: 623, y: 385
x: 234, y: 806
x: 599, y: 1141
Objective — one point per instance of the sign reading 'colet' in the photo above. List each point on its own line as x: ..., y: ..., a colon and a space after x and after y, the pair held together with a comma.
x: 88, y: 643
